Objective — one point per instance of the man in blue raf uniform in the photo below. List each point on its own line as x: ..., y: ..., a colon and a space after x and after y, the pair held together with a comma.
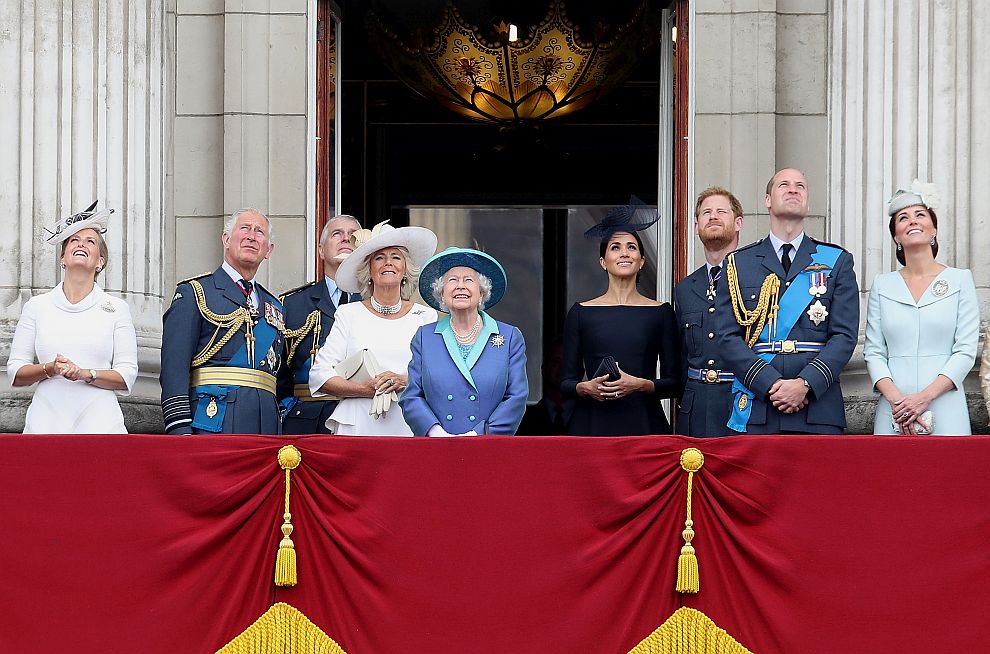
x: 222, y: 341
x: 707, y: 400
x: 787, y: 313
x: 309, y: 312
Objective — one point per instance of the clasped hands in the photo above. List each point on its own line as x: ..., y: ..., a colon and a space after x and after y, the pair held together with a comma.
x: 63, y: 366
x: 908, y: 410
x: 601, y: 389
x: 789, y: 395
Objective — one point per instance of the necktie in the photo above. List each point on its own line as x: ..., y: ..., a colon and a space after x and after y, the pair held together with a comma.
x: 342, y: 297
x: 785, y: 257
x: 246, y: 288
x: 714, y: 273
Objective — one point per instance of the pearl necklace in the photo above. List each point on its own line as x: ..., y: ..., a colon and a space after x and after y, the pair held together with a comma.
x: 471, y: 336
x: 385, y: 309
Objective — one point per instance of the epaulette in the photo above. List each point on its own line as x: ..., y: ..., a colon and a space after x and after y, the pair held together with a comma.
x: 281, y: 298
x: 834, y: 245
x: 189, y: 279
x: 746, y: 247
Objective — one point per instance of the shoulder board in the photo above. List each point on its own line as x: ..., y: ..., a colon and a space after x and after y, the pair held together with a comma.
x: 285, y: 294
x: 266, y: 292
x: 746, y: 247
x: 189, y: 279
x: 832, y: 245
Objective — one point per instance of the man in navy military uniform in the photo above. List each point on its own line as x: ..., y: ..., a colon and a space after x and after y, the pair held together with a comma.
x: 222, y: 341
x: 309, y: 312
x: 787, y: 316
x: 707, y: 400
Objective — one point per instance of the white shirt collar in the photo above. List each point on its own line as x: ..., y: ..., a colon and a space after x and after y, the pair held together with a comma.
x: 777, y: 243
x: 236, y: 276
x: 331, y: 285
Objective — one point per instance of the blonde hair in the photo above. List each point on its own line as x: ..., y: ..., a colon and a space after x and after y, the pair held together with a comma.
x: 409, y: 279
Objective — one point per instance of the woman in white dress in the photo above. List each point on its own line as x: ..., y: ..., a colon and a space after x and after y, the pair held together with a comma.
x: 76, y: 342
x: 384, y: 268
x: 922, y: 327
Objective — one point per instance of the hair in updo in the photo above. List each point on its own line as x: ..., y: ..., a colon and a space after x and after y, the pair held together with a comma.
x: 899, y: 252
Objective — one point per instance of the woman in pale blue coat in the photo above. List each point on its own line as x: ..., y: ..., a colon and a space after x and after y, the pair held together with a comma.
x: 922, y: 327
x: 468, y: 371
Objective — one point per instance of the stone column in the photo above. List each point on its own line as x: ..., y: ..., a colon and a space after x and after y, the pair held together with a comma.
x: 242, y: 79
x: 83, y: 119
x: 760, y: 103
x: 908, y: 99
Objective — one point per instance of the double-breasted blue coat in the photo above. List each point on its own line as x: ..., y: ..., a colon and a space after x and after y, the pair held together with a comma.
x: 486, y: 394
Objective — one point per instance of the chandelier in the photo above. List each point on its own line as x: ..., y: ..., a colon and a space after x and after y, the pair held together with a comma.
x: 552, y: 71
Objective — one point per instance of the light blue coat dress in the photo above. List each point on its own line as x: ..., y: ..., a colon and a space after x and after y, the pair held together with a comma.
x: 912, y: 343
x: 486, y: 393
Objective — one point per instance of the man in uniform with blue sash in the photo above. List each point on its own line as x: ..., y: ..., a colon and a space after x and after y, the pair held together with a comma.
x: 309, y: 312
x: 707, y: 401
x: 222, y: 341
x: 787, y: 310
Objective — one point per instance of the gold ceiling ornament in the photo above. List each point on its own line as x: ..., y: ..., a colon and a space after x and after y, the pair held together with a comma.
x: 289, y: 459
x: 689, y: 630
x: 551, y: 72
x: 688, y: 580
x: 282, y: 629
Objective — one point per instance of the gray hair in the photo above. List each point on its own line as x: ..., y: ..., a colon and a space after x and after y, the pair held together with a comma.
x: 409, y: 279
x: 486, y: 291
x: 229, y: 224
x: 325, y: 233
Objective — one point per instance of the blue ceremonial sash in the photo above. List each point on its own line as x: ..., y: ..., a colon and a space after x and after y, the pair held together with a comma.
x: 264, y: 336
x: 792, y: 304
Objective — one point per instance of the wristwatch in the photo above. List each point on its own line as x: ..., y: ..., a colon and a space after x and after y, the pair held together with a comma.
x: 92, y: 376
x: 806, y: 384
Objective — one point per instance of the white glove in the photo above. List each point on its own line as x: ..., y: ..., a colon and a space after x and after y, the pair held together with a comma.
x: 436, y: 431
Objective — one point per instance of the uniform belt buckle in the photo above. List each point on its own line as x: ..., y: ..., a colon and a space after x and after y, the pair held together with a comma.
x: 711, y: 376
x: 788, y: 347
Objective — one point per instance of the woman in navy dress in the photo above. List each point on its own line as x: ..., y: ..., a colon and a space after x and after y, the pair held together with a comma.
x: 639, y: 333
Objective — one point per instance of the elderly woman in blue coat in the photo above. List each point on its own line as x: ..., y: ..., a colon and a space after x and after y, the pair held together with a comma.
x: 468, y: 371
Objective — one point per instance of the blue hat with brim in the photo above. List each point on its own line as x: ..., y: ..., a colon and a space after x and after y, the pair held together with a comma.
x: 438, y: 265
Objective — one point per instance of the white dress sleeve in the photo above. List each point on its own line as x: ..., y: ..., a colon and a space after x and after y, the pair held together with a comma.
x: 125, y: 348
x: 334, y: 351
x: 22, y: 350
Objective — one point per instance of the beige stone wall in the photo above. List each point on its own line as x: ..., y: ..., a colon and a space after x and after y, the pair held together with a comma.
x: 242, y: 78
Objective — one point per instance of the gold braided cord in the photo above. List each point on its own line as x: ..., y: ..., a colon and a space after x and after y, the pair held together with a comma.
x: 689, y: 631
x: 283, y: 629
x: 232, y: 322
x: 295, y: 336
x: 766, y: 306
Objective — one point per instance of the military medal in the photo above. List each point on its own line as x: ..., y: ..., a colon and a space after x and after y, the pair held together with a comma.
x: 817, y: 312
x: 271, y: 358
x: 710, y: 293
x: 274, y: 317
x: 743, y: 401
x: 941, y: 288
x: 211, y: 408
x: 816, y: 283
x: 498, y: 340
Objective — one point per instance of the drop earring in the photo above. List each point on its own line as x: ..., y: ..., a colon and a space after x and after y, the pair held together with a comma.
x: 899, y: 246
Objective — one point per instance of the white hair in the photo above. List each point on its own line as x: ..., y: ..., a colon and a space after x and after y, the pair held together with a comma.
x: 483, y: 282
x: 325, y: 233
x: 229, y: 224
x: 409, y: 279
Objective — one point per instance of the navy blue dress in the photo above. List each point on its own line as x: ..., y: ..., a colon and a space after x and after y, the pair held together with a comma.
x: 637, y: 337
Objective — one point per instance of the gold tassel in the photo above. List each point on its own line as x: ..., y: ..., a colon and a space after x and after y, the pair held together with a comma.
x: 688, y: 580
x: 289, y: 458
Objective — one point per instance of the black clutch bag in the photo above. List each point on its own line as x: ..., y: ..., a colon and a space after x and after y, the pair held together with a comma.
x: 609, y: 367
